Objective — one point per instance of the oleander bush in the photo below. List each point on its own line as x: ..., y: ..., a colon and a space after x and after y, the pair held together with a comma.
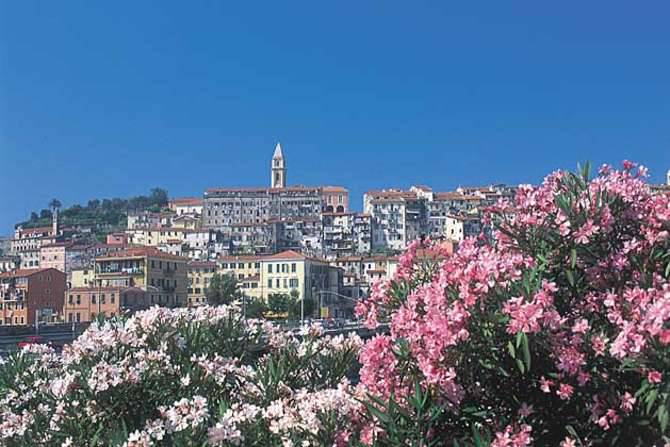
x: 556, y: 332
x: 187, y: 377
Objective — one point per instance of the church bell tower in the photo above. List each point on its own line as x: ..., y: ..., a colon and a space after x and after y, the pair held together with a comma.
x: 278, y: 179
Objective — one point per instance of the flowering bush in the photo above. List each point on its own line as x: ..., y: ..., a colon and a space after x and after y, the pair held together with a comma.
x: 555, y: 332
x: 179, y: 377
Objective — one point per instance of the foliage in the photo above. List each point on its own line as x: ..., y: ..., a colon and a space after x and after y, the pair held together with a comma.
x: 290, y: 305
x: 557, y: 331
x: 254, y: 307
x: 223, y: 289
x: 97, y: 213
x: 188, y: 377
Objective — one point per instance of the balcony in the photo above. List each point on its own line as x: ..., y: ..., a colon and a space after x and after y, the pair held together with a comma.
x: 115, y: 271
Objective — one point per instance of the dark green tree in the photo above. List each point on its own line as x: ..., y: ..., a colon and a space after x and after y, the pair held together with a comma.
x: 223, y: 289
x: 255, y: 307
x: 278, y: 302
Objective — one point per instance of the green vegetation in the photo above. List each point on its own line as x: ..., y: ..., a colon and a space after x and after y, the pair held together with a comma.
x: 101, y: 215
x: 223, y: 289
x: 289, y: 305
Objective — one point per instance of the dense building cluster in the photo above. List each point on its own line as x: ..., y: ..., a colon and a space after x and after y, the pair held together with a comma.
x: 285, y: 239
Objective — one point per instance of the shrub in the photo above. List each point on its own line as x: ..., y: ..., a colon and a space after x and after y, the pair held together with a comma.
x: 556, y: 331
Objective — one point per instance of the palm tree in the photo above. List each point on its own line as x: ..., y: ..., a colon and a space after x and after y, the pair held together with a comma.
x: 55, y: 204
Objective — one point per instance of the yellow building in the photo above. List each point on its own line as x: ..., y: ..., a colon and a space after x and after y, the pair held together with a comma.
x: 200, y: 274
x: 290, y: 270
x: 163, y: 276
x: 83, y: 277
x: 246, y: 270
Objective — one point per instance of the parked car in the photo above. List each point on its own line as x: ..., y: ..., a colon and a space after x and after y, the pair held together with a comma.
x: 31, y: 340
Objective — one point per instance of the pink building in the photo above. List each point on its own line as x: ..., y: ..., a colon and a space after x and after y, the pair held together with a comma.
x: 117, y: 239
x: 335, y: 199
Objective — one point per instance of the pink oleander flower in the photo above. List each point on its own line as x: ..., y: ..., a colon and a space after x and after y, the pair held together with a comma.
x: 654, y: 377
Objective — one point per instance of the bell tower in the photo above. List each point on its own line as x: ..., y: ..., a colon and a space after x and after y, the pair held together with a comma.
x: 278, y: 172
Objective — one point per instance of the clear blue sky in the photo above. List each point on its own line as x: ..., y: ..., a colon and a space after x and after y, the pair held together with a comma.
x: 102, y: 99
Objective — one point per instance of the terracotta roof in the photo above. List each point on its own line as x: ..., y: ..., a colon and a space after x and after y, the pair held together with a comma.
x: 186, y: 201
x: 23, y: 273
x: 334, y: 189
x: 201, y: 264
x: 137, y: 252
x: 238, y: 258
x: 423, y: 188
x: 288, y: 254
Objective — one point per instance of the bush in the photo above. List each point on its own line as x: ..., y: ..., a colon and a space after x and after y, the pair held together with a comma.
x: 179, y: 377
x: 557, y: 331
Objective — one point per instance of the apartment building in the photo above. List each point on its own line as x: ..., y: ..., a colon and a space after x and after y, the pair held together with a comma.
x: 200, y: 275
x: 246, y: 269
x: 27, y: 243
x: 335, y: 199
x: 66, y: 256
x: 29, y: 295
x: 8, y: 263
x: 346, y: 234
x: 397, y: 217
x: 163, y: 276
x: 84, y: 304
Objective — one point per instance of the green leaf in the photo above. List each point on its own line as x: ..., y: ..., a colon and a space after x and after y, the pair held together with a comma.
x: 663, y: 417
x: 519, y: 364
x: 573, y: 258
x: 571, y: 277
x: 510, y: 348
x: 650, y: 399
x: 526, y: 352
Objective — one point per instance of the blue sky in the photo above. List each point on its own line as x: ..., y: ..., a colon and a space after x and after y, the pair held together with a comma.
x: 102, y: 99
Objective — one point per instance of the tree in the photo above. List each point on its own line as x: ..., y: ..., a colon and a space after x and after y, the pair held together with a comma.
x: 34, y: 216
x: 255, y: 307
x: 223, y: 289
x: 45, y: 214
x: 93, y: 204
x: 159, y: 196
x: 55, y: 204
x: 278, y: 302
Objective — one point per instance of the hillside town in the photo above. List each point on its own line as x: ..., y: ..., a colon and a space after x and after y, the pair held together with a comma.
x: 281, y: 239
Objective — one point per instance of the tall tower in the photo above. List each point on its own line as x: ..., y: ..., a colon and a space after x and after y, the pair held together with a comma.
x: 278, y: 179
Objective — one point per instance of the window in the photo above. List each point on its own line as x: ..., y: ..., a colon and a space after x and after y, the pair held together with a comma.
x: 70, y: 299
x: 277, y: 283
x: 240, y: 265
x: 269, y: 283
x: 69, y: 318
x: 92, y: 299
x: 293, y: 267
x: 78, y: 317
x: 269, y: 268
x: 78, y: 299
x: 112, y: 299
x: 257, y: 265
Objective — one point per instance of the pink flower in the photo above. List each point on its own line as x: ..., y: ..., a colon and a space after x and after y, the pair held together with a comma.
x: 565, y: 391
x: 654, y: 376
x: 545, y: 384
x: 627, y: 402
x: 568, y: 442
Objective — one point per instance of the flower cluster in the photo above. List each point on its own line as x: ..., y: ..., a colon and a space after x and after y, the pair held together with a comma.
x: 565, y: 310
x: 180, y: 377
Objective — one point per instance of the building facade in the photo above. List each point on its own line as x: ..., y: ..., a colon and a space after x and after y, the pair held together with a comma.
x: 88, y: 303
x: 161, y: 275
x: 30, y: 295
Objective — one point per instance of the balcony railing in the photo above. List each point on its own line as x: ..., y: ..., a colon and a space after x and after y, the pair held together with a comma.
x: 121, y: 271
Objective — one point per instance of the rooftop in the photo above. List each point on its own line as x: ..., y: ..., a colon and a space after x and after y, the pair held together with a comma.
x: 140, y: 252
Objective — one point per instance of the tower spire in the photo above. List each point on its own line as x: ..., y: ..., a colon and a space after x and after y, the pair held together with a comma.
x: 278, y: 169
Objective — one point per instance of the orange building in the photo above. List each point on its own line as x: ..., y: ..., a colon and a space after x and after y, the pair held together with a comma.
x: 86, y: 303
x: 27, y: 294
